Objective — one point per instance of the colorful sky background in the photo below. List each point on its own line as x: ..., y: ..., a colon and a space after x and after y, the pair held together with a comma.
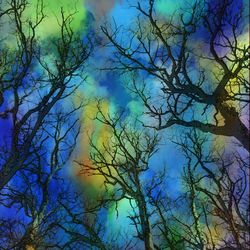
x: 110, y: 87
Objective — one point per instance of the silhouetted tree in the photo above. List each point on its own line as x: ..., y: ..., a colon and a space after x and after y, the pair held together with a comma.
x: 31, y: 83
x: 122, y: 161
x: 217, y: 194
x: 37, y: 77
x: 31, y: 196
x: 181, y: 82
x: 189, y: 69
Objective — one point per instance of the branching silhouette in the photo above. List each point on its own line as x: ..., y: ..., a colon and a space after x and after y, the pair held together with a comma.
x: 218, y: 194
x: 182, y: 82
x: 188, y: 69
x: 29, y: 195
x: 28, y: 76
x: 122, y: 162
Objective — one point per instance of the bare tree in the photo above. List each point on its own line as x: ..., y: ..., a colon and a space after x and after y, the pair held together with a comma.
x: 36, y: 77
x: 212, y: 211
x: 218, y: 194
x: 84, y: 227
x: 122, y: 161
x: 49, y: 209
x: 30, y: 195
x: 31, y: 83
x: 183, y: 92
x: 201, y: 85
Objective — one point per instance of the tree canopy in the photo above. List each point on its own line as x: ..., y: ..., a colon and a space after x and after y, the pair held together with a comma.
x: 124, y: 125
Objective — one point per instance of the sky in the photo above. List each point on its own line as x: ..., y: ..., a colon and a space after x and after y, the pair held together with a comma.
x: 91, y: 14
